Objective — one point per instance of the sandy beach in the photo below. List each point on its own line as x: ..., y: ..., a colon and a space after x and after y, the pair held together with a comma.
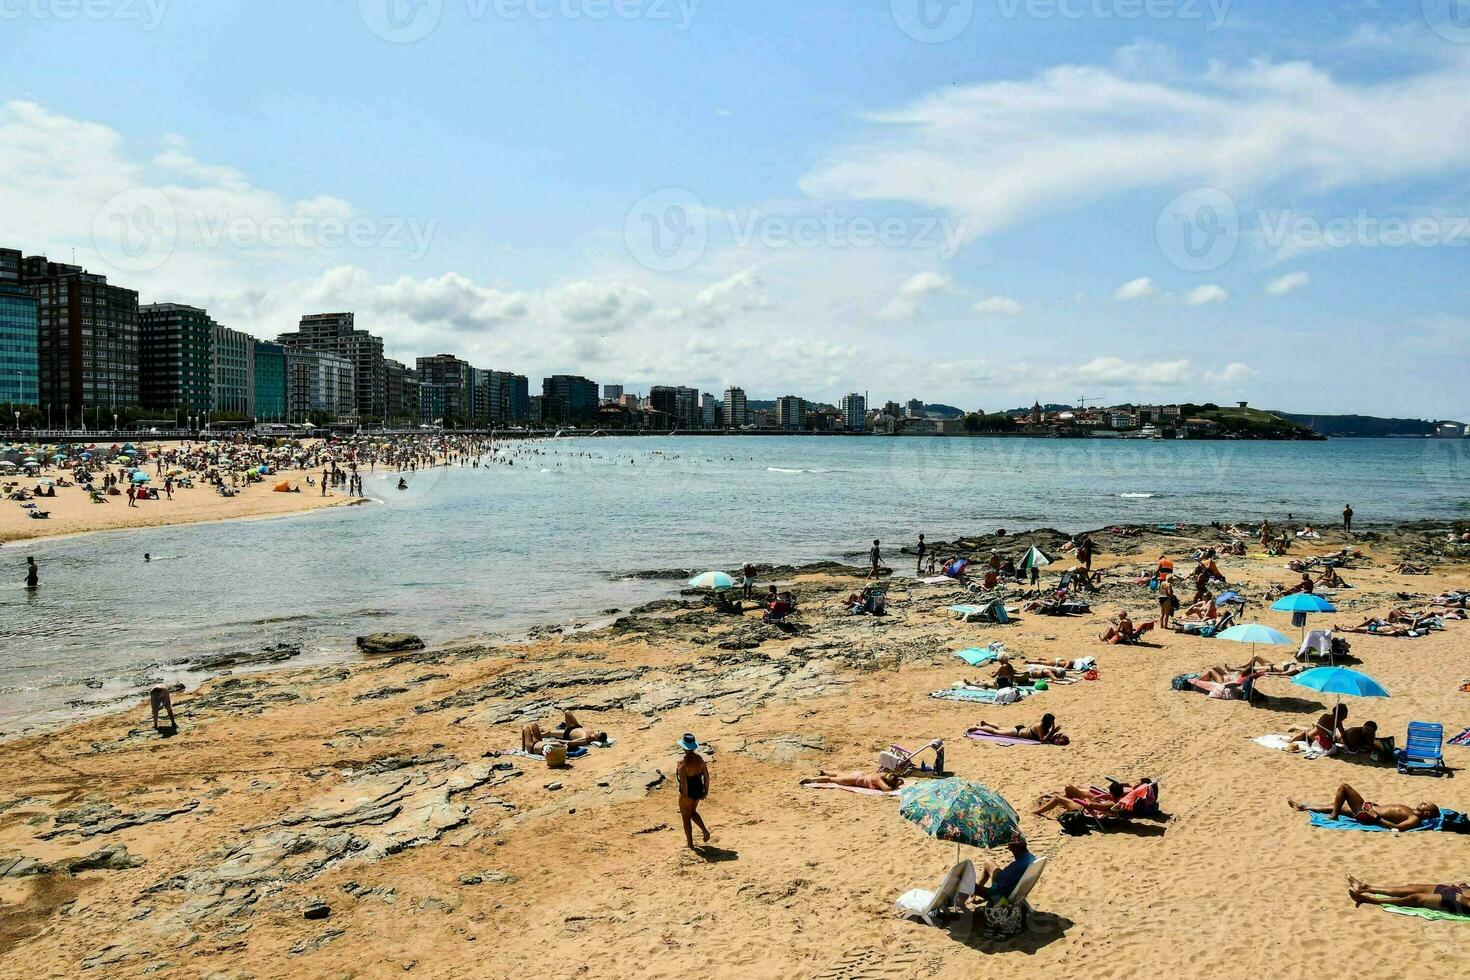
x: 384, y: 790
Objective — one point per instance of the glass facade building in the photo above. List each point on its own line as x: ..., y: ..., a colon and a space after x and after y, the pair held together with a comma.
x: 20, y: 378
x: 270, y: 381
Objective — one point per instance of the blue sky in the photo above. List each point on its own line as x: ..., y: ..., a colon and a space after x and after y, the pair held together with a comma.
x: 799, y: 197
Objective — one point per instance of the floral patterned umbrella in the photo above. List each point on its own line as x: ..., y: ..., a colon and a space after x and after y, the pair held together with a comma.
x: 959, y: 810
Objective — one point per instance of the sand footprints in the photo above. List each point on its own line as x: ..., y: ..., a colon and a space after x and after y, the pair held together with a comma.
x: 873, y: 964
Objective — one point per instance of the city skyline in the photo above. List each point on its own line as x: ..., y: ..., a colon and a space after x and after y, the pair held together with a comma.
x: 946, y: 212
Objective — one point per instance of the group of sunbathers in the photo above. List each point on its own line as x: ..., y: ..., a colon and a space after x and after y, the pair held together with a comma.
x: 1118, y: 801
x: 1404, y: 622
x: 1008, y: 675
x: 569, y: 732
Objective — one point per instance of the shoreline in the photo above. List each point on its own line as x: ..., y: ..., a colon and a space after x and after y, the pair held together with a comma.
x: 584, y: 623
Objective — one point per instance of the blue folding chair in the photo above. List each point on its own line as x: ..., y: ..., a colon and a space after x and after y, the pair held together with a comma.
x: 1423, y: 750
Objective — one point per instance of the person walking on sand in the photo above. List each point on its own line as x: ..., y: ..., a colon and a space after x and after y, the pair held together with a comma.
x: 875, y: 558
x: 922, y: 551
x: 132, y: 495
x: 1347, y: 518
x: 693, y: 776
x: 32, y: 577
x: 747, y: 581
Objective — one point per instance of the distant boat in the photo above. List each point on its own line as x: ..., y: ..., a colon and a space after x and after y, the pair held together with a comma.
x: 1147, y: 432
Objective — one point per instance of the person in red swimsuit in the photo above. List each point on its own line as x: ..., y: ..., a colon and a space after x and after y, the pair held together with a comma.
x: 1350, y: 803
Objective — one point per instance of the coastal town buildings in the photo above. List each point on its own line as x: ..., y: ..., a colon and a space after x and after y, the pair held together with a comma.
x: 855, y: 412
x: 176, y: 359
x: 737, y: 414
x: 20, y: 378
x: 790, y: 413
x: 87, y: 338
x: 337, y: 333
x: 568, y: 398
x: 270, y: 381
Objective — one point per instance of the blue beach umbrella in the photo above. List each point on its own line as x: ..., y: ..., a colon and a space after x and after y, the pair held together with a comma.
x: 1254, y: 633
x: 1340, y: 681
x: 141, y: 477
x: 1303, y: 602
x: 718, y: 581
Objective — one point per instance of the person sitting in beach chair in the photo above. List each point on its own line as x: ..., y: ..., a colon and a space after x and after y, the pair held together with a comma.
x: 1350, y: 803
x: 1224, y: 684
x: 779, y: 608
x: 1046, y: 731
x: 1329, y: 579
x: 882, y: 782
x: 1122, y: 630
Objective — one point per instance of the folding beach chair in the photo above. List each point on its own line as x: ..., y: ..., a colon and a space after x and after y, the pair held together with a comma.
x: 1008, y: 917
x: 1317, y: 643
x: 1423, y: 750
x: 934, y: 907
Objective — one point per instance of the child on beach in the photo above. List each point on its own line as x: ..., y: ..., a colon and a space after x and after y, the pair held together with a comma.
x: 693, y: 774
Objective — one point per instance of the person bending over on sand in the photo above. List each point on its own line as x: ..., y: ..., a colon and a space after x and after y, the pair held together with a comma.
x: 1350, y: 803
x: 1454, y: 899
x: 884, y: 782
x: 693, y: 776
x: 160, y: 701
x: 1047, y: 731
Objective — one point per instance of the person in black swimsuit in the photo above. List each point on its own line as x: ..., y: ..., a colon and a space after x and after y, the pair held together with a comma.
x: 1454, y: 899
x: 32, y: 578
x: 693, y: 776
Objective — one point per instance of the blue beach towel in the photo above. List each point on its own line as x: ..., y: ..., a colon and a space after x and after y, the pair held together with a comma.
x: 1348, y: 823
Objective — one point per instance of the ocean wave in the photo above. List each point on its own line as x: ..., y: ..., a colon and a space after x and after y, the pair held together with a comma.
x: 1137, y: 496
x: 783, y: 469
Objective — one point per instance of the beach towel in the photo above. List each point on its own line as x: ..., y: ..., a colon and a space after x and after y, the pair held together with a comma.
x: 1348, y: 823
x: 1283, y: 744
x: 1433, y: 915
x: 974, y: 695
x: 937, y: 580
x: 1001, y: 740
x: 576, y: 753
x: 860, y: 790
x: 1461, y: 739
x: 981, y: 657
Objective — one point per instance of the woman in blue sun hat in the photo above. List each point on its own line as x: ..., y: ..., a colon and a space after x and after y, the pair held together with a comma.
x: 693, y: 775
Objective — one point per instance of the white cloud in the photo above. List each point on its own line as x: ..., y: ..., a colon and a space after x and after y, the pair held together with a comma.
x: 913, y: 292
x: 1137, y: 289
x: 1230, y: 375
x: 1003, y: 152
x: 999, y: 306
x: 1287, y: 283
x: 1114, y: 372
x: 1203, y: 295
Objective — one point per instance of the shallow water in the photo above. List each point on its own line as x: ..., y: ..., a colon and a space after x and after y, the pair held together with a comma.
x: 495, y: 550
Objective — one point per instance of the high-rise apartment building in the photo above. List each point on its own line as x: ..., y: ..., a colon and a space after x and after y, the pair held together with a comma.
x: 855, y: 413
x: 233, y: 363
x: 612, y: 394
x: 87, y: 337
x: 737, y: 414
x: 270, y: 381
x: 336, y: 333
x: 20, y: 373
x: 320, y: 384
x: 686, y: 408
x: 664, y: 399
x: 176, y: 358
x: 457, y: 378
x: 914, y: 409
x: 712, y: 412
x: 790, y: 413
x: 568, y: 398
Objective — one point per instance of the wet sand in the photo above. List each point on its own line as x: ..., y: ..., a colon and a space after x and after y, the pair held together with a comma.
x: 382, y: 790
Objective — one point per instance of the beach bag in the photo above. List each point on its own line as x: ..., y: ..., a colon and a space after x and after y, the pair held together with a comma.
x: 1182, y: 682
x: 1075, y: 822
x: 1004, y: 920
x: 556, y: 754
x: 1455, y: 823
x: 1340, y: 646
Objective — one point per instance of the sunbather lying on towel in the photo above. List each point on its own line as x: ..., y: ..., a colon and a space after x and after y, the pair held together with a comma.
x: 1454, y: 899
x: 1350, y: 803
x: 1047, y: 731
x: 1378, y: 626
x: 1287, y: 668
x: 884, y: 782
x: 570, y: 731
x: 1412, y: 568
